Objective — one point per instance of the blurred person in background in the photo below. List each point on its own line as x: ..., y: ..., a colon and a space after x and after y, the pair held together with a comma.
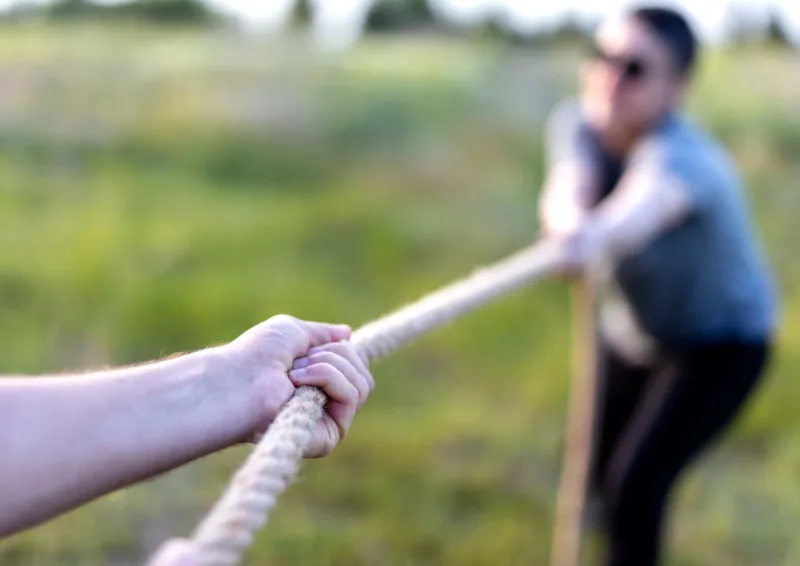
x: 68, y: 439
x: 652, y: 210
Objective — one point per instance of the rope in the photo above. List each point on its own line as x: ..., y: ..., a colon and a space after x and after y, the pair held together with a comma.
x: 582, y: 419
x: 230, y: 526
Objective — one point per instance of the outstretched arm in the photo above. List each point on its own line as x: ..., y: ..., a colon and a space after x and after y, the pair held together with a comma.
x: 567, y: 197
x: 65, y: 440
x: 656, y: 194
x: 646, y: 204
x: 571, y: 185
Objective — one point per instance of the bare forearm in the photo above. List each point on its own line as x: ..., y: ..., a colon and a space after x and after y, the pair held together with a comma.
x: 567, y: 198
x: 67, y: 440
x: 629, y: 219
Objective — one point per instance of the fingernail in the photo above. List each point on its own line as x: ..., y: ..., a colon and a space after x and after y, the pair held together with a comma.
x: 300, y: 363
x: 297, y: 374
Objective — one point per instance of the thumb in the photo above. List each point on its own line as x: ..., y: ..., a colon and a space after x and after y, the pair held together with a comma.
x: 175, y: 552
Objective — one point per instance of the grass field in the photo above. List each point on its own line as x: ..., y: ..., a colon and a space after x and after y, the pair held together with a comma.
x: 162, y: 192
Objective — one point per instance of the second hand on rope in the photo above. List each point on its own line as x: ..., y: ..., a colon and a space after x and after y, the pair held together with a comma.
x: 230, y: 526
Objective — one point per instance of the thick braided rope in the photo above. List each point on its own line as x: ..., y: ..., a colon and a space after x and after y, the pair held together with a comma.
x: 231, y: 524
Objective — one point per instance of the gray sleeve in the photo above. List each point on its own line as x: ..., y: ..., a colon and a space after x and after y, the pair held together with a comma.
x: 567, y: 136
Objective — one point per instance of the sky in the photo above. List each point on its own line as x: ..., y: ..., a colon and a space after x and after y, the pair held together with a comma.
x: 339, y: 21
x: 342, y: 19
x: 708, y: 15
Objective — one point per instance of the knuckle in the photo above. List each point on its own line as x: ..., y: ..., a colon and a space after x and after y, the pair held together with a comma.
x: 283, y: 322
x: 354, y: 394
x: 323, y: 369
x: 362, y: 356
x: 364, y: 382
x: 341, y: 347
x: 334, y: 347
x: 323, y: 357
x: 281, y: 318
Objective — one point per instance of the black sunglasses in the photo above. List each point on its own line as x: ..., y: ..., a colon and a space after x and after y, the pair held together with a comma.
x: 631, y: 68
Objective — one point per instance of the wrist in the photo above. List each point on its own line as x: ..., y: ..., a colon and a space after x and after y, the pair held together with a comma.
x: 233, y: 406
x: 245, y: 390
x: 594, y: 242
x: 563, y: 222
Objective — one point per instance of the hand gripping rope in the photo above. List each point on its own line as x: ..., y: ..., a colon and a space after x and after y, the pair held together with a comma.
x: 231, y: 524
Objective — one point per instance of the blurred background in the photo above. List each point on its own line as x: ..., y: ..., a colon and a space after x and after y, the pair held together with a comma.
x: 173, y: 172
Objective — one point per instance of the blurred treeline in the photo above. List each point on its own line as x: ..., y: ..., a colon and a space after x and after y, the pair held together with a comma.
x: 384, y: 16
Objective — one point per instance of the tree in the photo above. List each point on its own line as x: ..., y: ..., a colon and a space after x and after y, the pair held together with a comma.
x: 68, y: 9
x: 776, y: 33
x: 154, y: 11
x: 301, y: 14
x: 385, y: 15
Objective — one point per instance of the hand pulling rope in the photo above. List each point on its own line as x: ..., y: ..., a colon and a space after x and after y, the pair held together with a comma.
x: 230, y: 526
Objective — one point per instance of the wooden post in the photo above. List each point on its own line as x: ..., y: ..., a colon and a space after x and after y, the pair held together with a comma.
x: 582, y: 417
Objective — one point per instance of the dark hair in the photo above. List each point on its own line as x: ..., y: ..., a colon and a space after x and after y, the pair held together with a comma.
x: 674, y: 30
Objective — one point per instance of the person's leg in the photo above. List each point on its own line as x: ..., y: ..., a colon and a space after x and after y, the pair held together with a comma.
x: 623, y: 384
x: 686, y: 405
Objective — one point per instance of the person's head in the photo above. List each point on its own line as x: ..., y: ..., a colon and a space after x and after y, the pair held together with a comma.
x: 639, y: 69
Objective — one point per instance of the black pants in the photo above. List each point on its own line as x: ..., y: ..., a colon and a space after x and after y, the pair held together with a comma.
x: 655, y: 420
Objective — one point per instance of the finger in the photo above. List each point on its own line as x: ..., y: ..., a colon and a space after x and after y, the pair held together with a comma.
x: 342, y: 416
x: 328, y: 378
x: 343, y: 395
x: 348, y: 351
x: 322, y: 333
x: 175, y: 552
x: 345, y: 367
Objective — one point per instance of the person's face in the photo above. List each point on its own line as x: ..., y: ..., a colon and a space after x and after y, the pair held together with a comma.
x: 630, y: 80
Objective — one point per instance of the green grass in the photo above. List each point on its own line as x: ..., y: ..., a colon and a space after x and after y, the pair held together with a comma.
x: 163, y: 192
